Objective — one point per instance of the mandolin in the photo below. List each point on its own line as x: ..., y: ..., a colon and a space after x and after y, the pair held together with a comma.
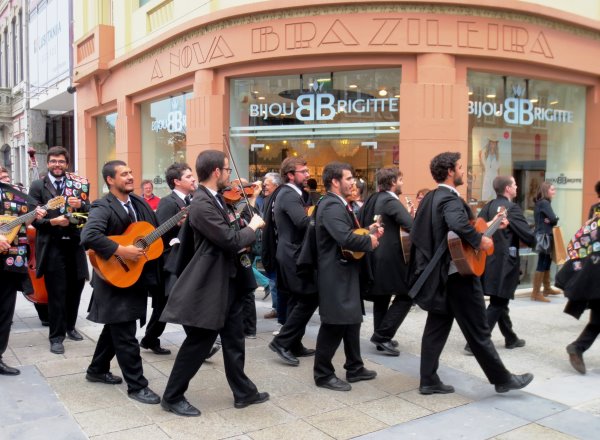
x: 10, y: 225
x: 357, y: 255
x: 121, y: 272
x: 468, y: 260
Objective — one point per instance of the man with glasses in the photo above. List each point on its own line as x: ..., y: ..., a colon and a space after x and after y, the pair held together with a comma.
x: 60, y: 256
x: 4, y: 175
x: 291, y: 221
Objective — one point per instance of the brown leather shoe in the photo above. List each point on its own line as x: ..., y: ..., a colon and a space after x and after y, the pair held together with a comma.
x: 576, y: 358
x: 272, y: 314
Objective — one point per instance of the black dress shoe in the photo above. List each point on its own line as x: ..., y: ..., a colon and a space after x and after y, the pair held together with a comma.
x: 516, y: 382
x: 258, y: 398
x: 439, y: 388
x: 576, y: 358
x: 468, y: 350
x: 214, y: 349
x: 387, y: 347
x: 8, y: 371
x: 107, y: 378
x: 304, y: 352
x: 335, y: 384
x: 157, y: 349
x: 362, y: 374
x: 145, y: 395
x: 57, y: 347
x: 45, y: 323
x: 181, y: 408
x: 74, y: 335
x: 285, y: 355
x: 515, y: 344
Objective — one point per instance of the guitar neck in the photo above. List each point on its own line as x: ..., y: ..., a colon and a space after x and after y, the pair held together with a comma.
x: 493, y: 227
x: 165, y: 227
x: 21, y: 219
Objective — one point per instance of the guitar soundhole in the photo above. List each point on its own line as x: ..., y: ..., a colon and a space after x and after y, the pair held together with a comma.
x: 142, y: 244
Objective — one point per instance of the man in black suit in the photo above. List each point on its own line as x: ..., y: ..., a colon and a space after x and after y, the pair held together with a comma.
x: 182, y: 182
x: 502, y: 268
x: 340, y: 304
x: 301, y: 296
x: 446, y: 294
x: 60, y: 256
x: 387, y: 268
x: 208, y: 297
x: 119, y: 308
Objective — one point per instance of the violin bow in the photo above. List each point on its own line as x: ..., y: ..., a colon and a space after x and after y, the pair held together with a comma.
x: 226, y: 142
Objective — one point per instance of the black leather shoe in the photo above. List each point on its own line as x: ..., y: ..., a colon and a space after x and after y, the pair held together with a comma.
x: 74, y: 335
x: 214, y: 349
x: 156, y: 349
x: 45, y: 323
x: 304, y: 352
x: 8, y: 371
x: 107, y: 378
x: 335, y: 384
x: 362, y: 374
x: 515, y: 344
x: 145, y: 395
x: 440, y: 388
x: 181, y: 408
x: 258, y: 398
x: 57, y: 347
x: 285, y: 355
x: 468, y: 350
x: 386, y: 347
x: 516, y: 382
x: 576, y: 358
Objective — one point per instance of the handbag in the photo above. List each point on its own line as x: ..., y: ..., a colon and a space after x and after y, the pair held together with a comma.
x: 543, y: 243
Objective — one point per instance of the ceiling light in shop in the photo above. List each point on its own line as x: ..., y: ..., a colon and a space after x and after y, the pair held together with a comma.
x: 344, y: 147
x: 353, y: 86
x: 397, y: 96
x: 490, y: 95
x: 533, y: 100
x: 382, y: 92
x: 262, y: 98
x: 255, y: 92
x: 554, y: 102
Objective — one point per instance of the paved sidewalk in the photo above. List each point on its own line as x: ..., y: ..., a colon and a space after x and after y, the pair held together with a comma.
x: 52, y: 399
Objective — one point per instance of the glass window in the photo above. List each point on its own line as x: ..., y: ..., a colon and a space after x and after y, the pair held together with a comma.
x: 350, y: 116
x: 106, y: 145
x: 163, y: 138
x: 533, y: 130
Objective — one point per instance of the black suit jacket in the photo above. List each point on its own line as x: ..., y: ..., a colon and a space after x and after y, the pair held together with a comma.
x: 339, y: 290
x: 167, y: 208
x: 501, y: 276
x: 42, y: 190
x: 110, y: 304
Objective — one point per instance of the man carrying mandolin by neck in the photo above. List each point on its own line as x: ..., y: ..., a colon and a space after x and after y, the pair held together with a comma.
x: 446, y: 294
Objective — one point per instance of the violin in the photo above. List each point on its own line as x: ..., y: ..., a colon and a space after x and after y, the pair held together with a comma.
x: 233, y: 194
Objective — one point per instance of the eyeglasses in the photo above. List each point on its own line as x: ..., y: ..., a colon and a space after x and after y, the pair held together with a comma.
x: 57, y: 162
x: 226, y: 169
x: 302, y: 171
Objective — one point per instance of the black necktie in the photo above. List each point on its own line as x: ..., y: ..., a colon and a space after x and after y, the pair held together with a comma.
x: 187, y: 200
x: 58, y: 184
x: 221, y: 201
x: 130, y: 211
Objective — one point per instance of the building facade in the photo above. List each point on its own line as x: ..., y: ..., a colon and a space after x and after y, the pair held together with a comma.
x: 375, y: 84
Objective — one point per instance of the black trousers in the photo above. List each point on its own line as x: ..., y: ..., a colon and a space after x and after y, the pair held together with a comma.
x: 498, y: 312
x: 196, y: 346
x: 155, y: 326
x: 589, y: 333
x: 64, y: 288
x: 9, y: 285
x: 387, y: 321
x: 119, y: 339
x: 249, y: 313
x: 301, y: 308
x: 328, y: 341
x: 466, y: 305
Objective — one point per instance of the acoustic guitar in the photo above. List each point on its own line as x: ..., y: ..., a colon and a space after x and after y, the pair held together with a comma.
x: 405, y: 244
x: 10, y: 225
x: 357, y: 255
x: 121, y: 272
x: 468, y: 260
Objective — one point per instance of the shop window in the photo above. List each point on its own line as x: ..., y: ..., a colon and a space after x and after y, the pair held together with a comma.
x: 106, y: 145
x: 349, y: 116
x: 163, y: 138
x: 534, y: 131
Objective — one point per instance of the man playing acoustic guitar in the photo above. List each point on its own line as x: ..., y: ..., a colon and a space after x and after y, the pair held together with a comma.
x: 447, y: 295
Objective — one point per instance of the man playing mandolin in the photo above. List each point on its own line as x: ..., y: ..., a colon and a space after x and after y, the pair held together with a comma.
x: 446, y: 294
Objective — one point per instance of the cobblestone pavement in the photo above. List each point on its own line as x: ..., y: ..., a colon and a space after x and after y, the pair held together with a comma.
x: 52, y: 399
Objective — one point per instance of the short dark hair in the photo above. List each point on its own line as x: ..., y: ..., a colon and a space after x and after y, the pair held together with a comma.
x: 441, y: 163
x: 110, y: 169
x: 334, y: 170
x: 500, y: 183
x: 385, y: 178
x: 175, y: 171
x: 311, y: 183
x: 145, y: 181
x: 57, y: 151
x: 207, y: 161
x: 289, y: 165
x: 597, y: 188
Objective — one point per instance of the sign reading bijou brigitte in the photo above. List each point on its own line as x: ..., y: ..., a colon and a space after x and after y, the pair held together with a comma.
x: 315, y: 106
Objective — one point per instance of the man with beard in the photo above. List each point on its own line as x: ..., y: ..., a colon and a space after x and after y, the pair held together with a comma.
x: 340, y: 305
x: 182, y: 182
x: 300, y: 295
x: 445, y: 294
x: 208, y: 297
x: 60, y: 256
x: 119, y: 308
x: 387, y: 268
